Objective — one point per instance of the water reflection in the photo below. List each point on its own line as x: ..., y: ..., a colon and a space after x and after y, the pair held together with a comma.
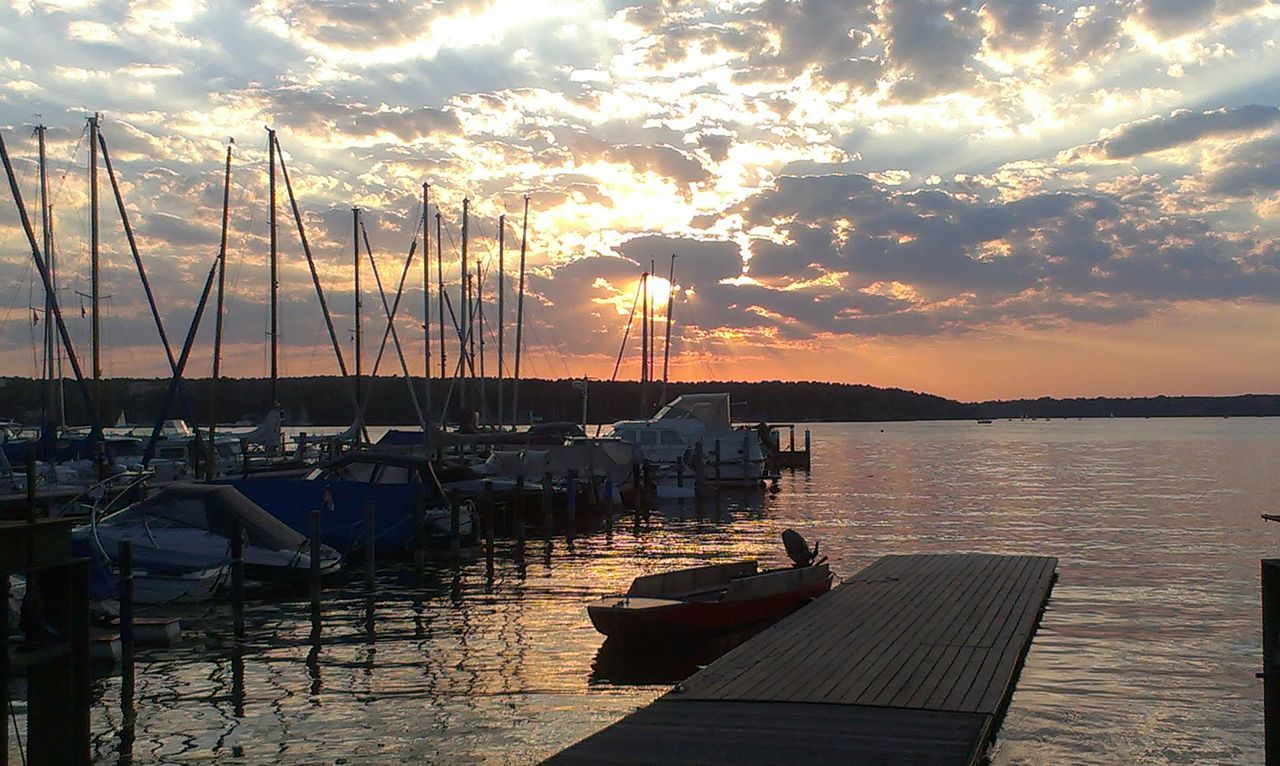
x: 1146, y: 653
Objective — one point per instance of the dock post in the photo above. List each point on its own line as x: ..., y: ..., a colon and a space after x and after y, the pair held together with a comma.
x: 717, y: 458
x: 237, y: 583
x: 4, y: 666
x: 1271, y: 659
x: 315, y: 573
x: 792, y: 429
x: 31, y: 486
x: 746, y: 455
x: 548, y: 519
x: 455, y: 524
x: 126, y: 633
x: 807, y: 454
x: 486, y: 511
x: 680, y: 472
x: 518, y: 510
x: 608, y: 506
x: 370, y: 541
x: 420, y: 533
x: 571, y: 500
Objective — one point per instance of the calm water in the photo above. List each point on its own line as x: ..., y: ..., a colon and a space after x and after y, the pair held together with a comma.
x: 1146, y: 653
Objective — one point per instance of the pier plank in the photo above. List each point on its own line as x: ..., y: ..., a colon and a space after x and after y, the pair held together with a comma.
x: 911, y: 661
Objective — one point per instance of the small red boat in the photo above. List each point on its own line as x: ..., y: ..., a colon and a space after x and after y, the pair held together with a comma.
x: 711, y: 600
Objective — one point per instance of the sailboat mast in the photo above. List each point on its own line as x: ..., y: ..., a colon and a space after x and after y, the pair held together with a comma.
x: 211, y: 466
x: 444, y: 373
x: 666, y: 342
x: 93, y: 262
x: 515, y: 385
x: 426, y: 314
x: 502, y: 229
x: 644, y: 345
x: 275, y: 277
x: 355, y: 256
x: 653, y: 312
x: 464, y: 282
x: 479, y: 332
x: 50, y: 339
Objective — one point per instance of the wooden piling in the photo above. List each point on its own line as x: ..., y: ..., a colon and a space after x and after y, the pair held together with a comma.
x: 370, y: 543
x: 571, y: 501
x: 717, y: 458
x: 126, y: 632
x: 420, y: 533
x: 608, y: 506
x: 637, y: 485
x: 792, y: 429
x: 806, y: 447
x: 315, y: 571
x: 518, y: 502
x: 4, y: 666
x: 548, y: 519
x: 237, y: 583
x: 486, y: 511
x: 1271, y: 659
x: 746, y: 455
x: 455, y: 524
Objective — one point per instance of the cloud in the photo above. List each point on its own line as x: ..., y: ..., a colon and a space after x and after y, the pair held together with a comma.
x: 1182, y: 127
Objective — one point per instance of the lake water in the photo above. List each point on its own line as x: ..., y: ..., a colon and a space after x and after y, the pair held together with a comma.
x: 1146, y: 653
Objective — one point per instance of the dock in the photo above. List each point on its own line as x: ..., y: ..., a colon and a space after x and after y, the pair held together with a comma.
x: 911, y: 661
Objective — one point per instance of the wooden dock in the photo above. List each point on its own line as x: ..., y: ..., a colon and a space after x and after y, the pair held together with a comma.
x: 911, y: 661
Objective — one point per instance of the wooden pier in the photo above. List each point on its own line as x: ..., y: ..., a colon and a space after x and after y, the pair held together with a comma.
x: 911, y: 661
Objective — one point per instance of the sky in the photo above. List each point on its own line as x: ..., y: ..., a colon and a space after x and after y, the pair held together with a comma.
x: 979, y: 200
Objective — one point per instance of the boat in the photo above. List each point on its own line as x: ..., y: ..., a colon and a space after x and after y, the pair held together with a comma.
x: 693, y: 428
x: 394, y: 484
x: 185, y: 529
x: 712, y: 600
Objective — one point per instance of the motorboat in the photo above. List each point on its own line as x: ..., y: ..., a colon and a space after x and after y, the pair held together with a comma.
x: 181, y: 538
x: 697, y: 428
x: 712, y: 600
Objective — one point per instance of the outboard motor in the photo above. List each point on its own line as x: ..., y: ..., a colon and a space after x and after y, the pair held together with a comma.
x: 799, y: 551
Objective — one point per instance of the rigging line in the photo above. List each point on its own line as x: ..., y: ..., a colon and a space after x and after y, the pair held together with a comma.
x: 391, y: 326
x: 17, y: 291
x: 625, y: 335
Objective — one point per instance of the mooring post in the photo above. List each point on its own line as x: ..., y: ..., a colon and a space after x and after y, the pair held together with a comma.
x: 126, y: 632
x: 548, y: 517
x: 1271, y: 659
x: 608, y: 506
x: 455, y: 524
x: 31, y: 487
x: 4, y: 666
x: 237, y: 582
x: 646, y: 494
x: 571, y: 500
x: 370, y: 543
x: 717, y: 459
x: 420, y: 533
x: 792, y: 429
x: 315, y: 571
x: 486, y: 510
x: 806, y: 445
x: 680, y: 472
x: 518, y: 503
x: 746, y: 455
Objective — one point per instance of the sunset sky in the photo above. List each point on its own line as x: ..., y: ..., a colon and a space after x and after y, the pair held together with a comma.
x: 979, y: 200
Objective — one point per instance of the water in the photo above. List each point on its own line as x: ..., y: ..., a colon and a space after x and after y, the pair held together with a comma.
x: 1146, y: 653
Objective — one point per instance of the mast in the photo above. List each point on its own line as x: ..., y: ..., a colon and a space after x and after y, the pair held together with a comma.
x: 502, y: 230
x: 644, y: 345
x: 211, y: 466
x: 515, y: 385
x: 275, y: 277
x: 463, y: 327
x: 653, y: 312
x: 93, y: 261
x: 666, y: 343
x: 53, y: 282
x: 444, y: 373
x: 480, y: 333
x: 426, y: 314
x: 355, y: 253
x: 46, y: 242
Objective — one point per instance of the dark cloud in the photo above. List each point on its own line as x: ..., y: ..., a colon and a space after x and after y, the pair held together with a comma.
x: 1181, y: 127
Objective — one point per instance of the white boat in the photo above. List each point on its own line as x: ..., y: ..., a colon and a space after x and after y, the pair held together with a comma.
x: 695, y: 424
x: 157, y: 586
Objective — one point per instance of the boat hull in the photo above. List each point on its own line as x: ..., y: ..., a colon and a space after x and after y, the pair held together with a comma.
x: 641, y: 619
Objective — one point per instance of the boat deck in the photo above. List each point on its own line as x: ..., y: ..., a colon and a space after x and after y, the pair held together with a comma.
x: 911, y: 661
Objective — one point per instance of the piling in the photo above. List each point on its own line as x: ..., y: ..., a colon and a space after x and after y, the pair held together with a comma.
x: 571, y: 500
x: 237, y: 583
x: 1271, y: 659
x: 806, y: 447
x: 792, y: 429
x: 315, y: 571
x: 680, y: 472
x: 548, y: 520
x: 717, y: 459
x: 126, y: 632
x: 420, y: 533
x: 370, y: 541
x: 746, y: 455
x: 455, y: 524
x: 31, y: 487
x: 637, y: 484
x: 4, y: 667
x: 518, y: 502
x: 486, y: 511
x: 608, y: 506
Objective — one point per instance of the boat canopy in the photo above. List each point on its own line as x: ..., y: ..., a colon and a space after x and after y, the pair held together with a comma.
x: 711, y: 409
x: 213, y: 507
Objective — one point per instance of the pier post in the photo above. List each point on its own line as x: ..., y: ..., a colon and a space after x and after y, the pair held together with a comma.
x: 548, y: 518
x: 637, y: 485
x: 680, y: 472
x: 420, y: 533
x: 455, y: 524
x: 518, y: 512
x: 370, y: 542
x: 717, y: 459
x: 237, y: 583
x: 806, y: 449
x: 315, y: 572
x: 571, y: 500
x: 746, y: 455
x: 792, y: 429
x: 645, y: 494
x: 31, y: 487
x: 608, y: 506
x: 4, y: 666
x: 126, y: 633
x: 486, y: 511
x: 1271, y: 659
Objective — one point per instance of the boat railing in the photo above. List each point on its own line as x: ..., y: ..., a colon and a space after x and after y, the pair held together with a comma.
x: 686, y: 581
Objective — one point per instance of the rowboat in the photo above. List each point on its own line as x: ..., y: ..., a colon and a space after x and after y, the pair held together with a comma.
x: 710, y: 600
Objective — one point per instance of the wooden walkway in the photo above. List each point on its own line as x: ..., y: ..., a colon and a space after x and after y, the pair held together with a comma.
x: 912, y: 661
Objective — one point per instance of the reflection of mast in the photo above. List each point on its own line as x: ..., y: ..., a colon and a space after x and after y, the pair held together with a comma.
x: 666, y: 343
x: 515, y: 385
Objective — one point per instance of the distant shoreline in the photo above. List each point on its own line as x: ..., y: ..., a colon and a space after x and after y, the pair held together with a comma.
x: 326, y: 400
